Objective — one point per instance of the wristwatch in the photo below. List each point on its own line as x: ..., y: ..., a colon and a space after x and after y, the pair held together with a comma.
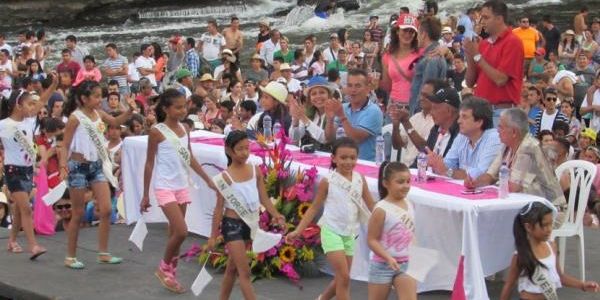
x: 449, y: 173
x: 477, y: 57
x: 410, y: 130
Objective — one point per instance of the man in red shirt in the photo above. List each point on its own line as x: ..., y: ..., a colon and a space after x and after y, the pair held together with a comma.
x: 67, y: 64
x: 495, y: 65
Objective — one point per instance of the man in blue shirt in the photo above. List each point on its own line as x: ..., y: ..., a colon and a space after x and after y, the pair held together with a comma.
x: 475, y: 147
x: 192, y: 60
x: 360, y: 118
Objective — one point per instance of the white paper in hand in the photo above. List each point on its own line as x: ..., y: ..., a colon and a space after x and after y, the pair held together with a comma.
x: 420, y: 262
x: 55, y: 194
x: 201, y: 281
x: 139, y: 233
x: 264, y: 241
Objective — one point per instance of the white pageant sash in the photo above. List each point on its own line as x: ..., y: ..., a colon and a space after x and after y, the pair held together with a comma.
x: 182, y: 151
x: 354, y: 191
x: 98, y: 140
x: 261, y: 240
x: 12, y: 131
x: 405, y: 218
x: 542, y: 279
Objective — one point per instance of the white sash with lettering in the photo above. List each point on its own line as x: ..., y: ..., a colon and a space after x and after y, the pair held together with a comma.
x: 405, y: 218
x: 261, y: 240
x: 542, y: 279
x: 12, y: 131
x: 354, y: 191
x: 98, y: 140
x: 182, y: 150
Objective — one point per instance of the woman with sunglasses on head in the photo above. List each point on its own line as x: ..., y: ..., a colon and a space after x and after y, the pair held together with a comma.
x: 17, y: 122
x: 398, y: 60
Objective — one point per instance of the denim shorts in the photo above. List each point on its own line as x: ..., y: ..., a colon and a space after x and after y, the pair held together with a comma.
x: 234, y: 230
x: 18, y: 178
x: 83, y: 174
x: 381, y: 273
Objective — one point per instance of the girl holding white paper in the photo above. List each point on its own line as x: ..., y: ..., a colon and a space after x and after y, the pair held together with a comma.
x: 348, y: 202
x: 535, y: 265
x: 236, y: 213
x: 85, y: 158
x: 169, y: 158
x: 17, y: 125
x: 391, y: 231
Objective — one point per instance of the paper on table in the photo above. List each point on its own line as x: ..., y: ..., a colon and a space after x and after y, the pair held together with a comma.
x: 264, y: 241
x: 201, y: 281
x: 420, y: 262
x: 55, y: 194
x: 139, y: 233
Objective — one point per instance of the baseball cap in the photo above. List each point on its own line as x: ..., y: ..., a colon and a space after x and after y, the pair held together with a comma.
x: 570, y: 32
x: 540, y: 51
x: 333, y: 36
x: 446, y: 95
x: 588, y: 133
x: 406, y: 21
x: 182, y: 73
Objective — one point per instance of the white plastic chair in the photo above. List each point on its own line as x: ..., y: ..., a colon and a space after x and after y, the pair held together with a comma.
x: 581, y: 174
x: 387, y: 129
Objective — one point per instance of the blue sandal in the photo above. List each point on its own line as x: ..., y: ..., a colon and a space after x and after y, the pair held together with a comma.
x: 74, y: 263
x: 112, y: 261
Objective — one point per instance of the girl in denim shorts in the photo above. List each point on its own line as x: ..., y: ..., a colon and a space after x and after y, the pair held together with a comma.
x: 16, y: 133
x: 171, y: 178
x: 391, y: 231
x: 344, y: 209
x: 82, y: 158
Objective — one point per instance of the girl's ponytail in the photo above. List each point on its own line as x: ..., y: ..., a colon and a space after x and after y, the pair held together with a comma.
x: 386, y: 171
x: 533, y: 213
x: 383, y: 192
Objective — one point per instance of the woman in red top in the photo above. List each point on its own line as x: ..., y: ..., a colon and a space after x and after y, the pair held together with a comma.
x: 48, y: 143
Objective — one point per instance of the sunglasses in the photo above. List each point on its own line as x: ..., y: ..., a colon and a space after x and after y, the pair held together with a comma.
x: 551, y: 98
x: 63, y: 206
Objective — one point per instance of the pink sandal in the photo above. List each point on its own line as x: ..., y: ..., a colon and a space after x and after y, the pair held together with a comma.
x: 37, y: 251
x: 165, y: 274
x: 14, y: 247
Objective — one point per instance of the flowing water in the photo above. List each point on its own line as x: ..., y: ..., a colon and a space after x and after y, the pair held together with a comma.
x: 294, y: 21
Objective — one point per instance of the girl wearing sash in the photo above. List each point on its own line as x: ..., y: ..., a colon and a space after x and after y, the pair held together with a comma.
x: 236, y: 213
x: 348, y: 202
x: 85, y: 158
x: 169, y: 158
x: 535, y: 264
x: 17, y: 115
x: 391, y: 230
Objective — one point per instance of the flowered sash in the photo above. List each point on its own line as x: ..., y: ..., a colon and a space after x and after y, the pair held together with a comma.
x: 405, y: 218
x: 354, y: 191
x: 542, y: 279
x: 182, y: 151
x: 98, y: 140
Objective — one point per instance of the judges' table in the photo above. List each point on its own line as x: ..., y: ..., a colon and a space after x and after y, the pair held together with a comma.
x: 478, y: 227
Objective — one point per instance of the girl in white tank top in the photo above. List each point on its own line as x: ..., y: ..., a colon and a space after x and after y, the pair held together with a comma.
x: 170, y: 158
x: 535, y: 266
x: 248, y: 189
x: 85, y: 154
x: 348, y: 203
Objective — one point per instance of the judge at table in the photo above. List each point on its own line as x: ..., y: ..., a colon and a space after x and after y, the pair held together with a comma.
x: 530, y: 172
x: 475, y: 147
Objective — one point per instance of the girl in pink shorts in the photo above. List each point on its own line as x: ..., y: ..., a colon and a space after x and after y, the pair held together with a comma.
x: 169, y: 157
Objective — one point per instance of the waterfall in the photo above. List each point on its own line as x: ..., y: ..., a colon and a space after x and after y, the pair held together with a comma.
x: 299, y: 15
x: 193, y: 12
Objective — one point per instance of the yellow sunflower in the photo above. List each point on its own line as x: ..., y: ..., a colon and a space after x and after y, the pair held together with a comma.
x: 101, y: 127
x: 302, y: 208
x: 287, y: 254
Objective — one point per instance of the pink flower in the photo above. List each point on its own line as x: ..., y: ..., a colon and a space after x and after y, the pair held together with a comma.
x: 283, y: 174
x: 302, y: 193
x: 263, y: 169
x: 311, y: 173
x: 264, y: 219
x: 288, y: 270
x: 272, y: 252
x: 193, y: 251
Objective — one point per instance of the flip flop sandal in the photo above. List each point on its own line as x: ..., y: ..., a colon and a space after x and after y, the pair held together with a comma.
x: 169, y: 282
x: 75, y: 264
x: 37, y: 252
x: 14, y: 247
x: 112, y: 261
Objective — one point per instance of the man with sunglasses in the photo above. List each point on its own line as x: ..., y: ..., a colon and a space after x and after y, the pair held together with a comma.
x: 546, y: 119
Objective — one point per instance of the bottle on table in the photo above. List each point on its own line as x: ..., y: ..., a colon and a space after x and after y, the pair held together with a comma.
x: 379, y: 150
x: 422, y: 167
x: 340, y: 132
x: 276, y: 128
x: 503, y: 178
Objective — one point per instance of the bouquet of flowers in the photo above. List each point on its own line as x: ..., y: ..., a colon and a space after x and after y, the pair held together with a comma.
x: 292, y: 193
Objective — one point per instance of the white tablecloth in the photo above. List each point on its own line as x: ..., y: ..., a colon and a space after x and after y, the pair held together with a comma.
x: 481, y: 230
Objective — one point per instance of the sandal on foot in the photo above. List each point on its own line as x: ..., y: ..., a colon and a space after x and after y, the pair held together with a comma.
x: 14, y: 247
x: 73, y: 263
x: 169, y: 282
x: 112, y: 261
x: 37, y: 251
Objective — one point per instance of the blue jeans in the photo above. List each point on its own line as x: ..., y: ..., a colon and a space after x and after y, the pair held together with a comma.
x: 83, y: 174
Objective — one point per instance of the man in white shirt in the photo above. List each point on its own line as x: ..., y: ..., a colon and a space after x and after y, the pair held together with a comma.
x: 5, y: 62
x: 211, y: 44
x: 269, y: 47
x: 591, y: 104
x: 4, y: 45
x: 331, y: 52
x: 293, y: 84
x: 146, y: 65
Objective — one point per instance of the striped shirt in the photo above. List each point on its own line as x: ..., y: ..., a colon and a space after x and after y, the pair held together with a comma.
x: 117, y: 64
x: 541, y: 124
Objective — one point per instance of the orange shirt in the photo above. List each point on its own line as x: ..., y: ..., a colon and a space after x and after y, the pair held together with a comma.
x: 529, y: 37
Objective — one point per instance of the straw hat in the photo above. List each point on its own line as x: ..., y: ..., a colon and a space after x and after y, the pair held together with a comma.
x: 276, y: 90
x: 207, y: 77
